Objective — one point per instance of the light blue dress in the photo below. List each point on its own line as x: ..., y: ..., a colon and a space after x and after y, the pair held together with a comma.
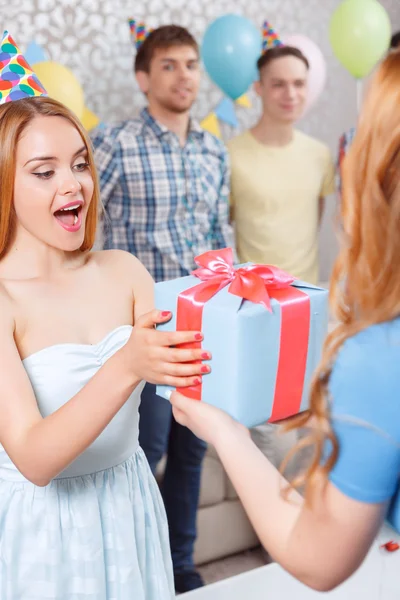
x: 99, y: 530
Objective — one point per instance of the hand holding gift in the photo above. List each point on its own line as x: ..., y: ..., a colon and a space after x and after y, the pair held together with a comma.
x: 209, y: 423
x: 162, y: 357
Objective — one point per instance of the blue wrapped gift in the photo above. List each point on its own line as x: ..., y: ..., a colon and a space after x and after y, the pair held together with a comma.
x: 264, y: 352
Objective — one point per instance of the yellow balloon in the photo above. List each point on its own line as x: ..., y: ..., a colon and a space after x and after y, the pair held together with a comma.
x: 89, y: 119
x: 61, y: 84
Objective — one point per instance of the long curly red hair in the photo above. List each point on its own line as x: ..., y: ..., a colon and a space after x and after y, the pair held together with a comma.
x: 365, y: 285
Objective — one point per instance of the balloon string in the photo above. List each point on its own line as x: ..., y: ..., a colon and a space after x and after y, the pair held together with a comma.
x: 359, y: 94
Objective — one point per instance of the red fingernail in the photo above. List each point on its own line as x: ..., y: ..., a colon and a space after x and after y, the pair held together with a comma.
x: 205, y: 369
x: 197, y: 382
x: 205, y: 355
x: 165, y: 313
x: 198, y: 336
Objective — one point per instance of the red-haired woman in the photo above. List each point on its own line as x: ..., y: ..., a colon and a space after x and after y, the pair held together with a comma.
x: 352, y: 483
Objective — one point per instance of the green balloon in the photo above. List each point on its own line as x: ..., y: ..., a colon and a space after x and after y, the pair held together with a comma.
x: 360, y: 35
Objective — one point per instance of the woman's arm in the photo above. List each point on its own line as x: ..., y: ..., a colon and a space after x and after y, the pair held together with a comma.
x: 321, y: 546
x: 43, y: 447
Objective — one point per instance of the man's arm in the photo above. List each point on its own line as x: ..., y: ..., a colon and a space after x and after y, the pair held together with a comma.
x: 345, y: 142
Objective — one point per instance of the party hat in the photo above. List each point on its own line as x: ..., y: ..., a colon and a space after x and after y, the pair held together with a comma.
x: 139, y: 32
x: 17, y: 80
x: 132, y: 27
x: 270, y: 38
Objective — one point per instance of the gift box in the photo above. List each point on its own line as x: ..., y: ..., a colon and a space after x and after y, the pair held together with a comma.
x: 264, y: 329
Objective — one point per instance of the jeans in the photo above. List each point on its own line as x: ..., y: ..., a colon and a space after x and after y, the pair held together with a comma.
x: 160, y: 434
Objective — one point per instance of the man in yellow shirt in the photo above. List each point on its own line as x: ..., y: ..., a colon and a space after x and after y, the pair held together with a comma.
x: 280, y: 176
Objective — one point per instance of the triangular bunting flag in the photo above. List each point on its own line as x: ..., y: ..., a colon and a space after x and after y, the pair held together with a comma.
x: 244, y: 101
x: 35, y: 54
x: 225, y: 111
x: 210, y: 124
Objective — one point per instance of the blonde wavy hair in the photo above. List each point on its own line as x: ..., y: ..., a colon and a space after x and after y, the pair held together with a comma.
x: 14, y: 118
x: 365, y: 285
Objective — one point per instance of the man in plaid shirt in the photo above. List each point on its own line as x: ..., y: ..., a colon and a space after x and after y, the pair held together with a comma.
x: 165, y: 186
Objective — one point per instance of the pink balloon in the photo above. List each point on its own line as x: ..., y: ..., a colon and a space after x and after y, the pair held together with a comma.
x: 317, y: 74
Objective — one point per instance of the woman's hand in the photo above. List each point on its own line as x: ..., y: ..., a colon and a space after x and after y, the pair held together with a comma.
x: 207, y: 422
x: 156, y: 357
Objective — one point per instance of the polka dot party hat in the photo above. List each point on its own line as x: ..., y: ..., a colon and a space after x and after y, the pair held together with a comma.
x: 17, y: 80
x: 270, y: 38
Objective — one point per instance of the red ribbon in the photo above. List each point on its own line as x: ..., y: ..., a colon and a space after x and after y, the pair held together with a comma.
x: 258, y: 284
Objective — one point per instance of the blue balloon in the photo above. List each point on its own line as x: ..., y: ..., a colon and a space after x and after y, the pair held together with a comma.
x: 230, y: 50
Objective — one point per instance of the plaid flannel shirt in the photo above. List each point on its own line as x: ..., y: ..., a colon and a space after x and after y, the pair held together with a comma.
x: 164, y: 203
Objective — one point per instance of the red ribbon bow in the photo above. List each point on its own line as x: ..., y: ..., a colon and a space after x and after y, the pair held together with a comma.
x: 250, y: 283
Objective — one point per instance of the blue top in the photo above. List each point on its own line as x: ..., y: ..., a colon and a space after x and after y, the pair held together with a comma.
x: 365, y: 396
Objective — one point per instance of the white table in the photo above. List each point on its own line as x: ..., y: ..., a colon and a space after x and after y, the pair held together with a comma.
x: 377, y: 579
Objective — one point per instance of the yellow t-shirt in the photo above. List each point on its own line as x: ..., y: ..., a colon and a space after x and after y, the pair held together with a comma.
x: 275, y: 195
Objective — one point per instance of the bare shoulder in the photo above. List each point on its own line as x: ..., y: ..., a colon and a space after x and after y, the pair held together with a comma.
x: 121, y: 263
x: 127, y: 271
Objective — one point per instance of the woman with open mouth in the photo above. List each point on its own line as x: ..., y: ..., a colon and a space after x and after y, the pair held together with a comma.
x: 80, y: 512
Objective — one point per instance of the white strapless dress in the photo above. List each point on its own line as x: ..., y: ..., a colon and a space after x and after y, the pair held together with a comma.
x: 99, y: 530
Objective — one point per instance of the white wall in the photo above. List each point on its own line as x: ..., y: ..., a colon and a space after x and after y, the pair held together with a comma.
x: 92, y: 38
